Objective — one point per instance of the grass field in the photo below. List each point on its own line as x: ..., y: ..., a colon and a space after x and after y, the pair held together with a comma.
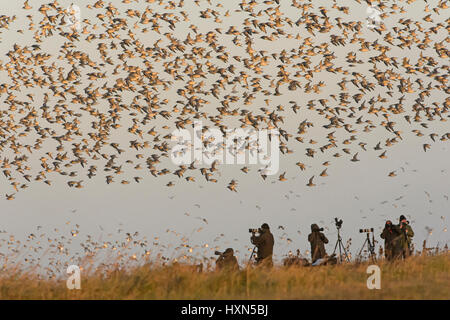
x: 419, y: 277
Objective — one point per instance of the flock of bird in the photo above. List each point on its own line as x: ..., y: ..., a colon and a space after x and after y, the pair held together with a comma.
x: 48, y: 253
x: 105, y: 101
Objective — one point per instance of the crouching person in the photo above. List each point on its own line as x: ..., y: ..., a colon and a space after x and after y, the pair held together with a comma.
x: 226, y: 261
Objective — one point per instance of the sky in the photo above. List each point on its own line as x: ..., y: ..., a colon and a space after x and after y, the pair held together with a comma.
x: 361, y: 193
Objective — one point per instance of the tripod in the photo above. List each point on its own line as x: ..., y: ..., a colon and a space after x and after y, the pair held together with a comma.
x: 341, y: 247
x: 370, y: 247
x: 251, y: 256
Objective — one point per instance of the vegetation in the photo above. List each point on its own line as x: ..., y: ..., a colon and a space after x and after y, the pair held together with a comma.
x: 419, y: 277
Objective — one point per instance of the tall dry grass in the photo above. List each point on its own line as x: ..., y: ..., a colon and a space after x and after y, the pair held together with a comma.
x: 419, y: 277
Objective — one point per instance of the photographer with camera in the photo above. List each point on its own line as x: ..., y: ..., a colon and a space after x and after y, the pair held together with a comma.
x: 318, y: 241
x: 264, y: 243
x: 226, y: 261
x: 390, y: 235
x: 406, y: 234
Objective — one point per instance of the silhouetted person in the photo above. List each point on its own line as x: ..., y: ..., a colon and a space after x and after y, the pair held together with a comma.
x: 390, y: 235
x: 297, y: 260
x: 318, y: 241
x: 406, y: 234
x: 264, y: 243
x: 227, y: 261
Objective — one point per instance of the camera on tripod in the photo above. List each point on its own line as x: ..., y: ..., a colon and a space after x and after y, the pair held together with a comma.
x: 218, y: 253
x: 342, y: 251
x: 338, y: 223
x: 253, y: 230
x: 368, y: 244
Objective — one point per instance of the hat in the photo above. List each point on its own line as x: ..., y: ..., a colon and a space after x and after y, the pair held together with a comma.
x: 265, y: 226
x: 314, y: 227
x: 229, y: 251
x: 402, y: 217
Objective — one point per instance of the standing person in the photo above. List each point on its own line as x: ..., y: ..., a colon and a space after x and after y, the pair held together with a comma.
x: 264, y: 243
x: 227, y: 261
x: 390, y: 236
x: 406, y: 235
x: 318, y: 241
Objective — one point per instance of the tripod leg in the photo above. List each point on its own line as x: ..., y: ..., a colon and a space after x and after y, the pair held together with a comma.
x: 364, y: 244
x: 373, y: 255
x: 251, y: 256
x: 335, y: 246
x: 345, y: 251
